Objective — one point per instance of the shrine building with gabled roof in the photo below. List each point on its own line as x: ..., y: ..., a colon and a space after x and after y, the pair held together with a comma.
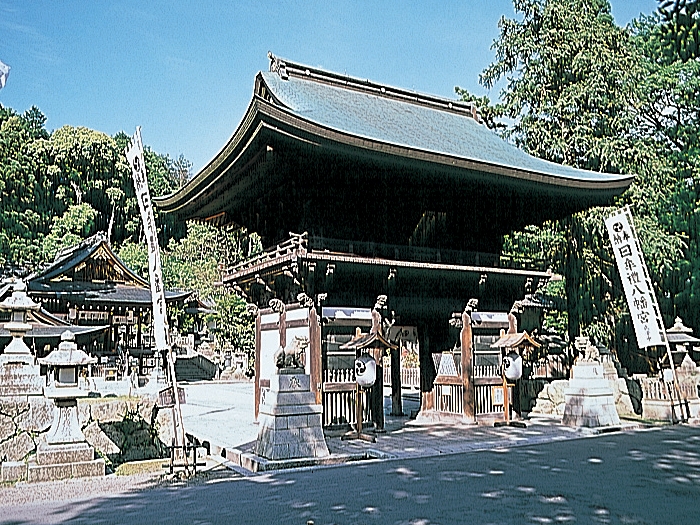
x: 88, y: 285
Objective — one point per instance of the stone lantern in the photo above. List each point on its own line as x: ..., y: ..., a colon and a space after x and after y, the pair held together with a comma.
x: 65, y: 454
x: 19, y: 373
x: 18, y: 304
x: 64, y: 367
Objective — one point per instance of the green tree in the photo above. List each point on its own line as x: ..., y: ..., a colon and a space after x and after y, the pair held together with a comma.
x: 25, y: 204
x: 236, y: 326
x: 680, y: 31
x: 45, y: 177
x: 195, y: 263
x: 69, y: 229
x: 571, y: 79
x: 574, y: 95
x: 669, y: 120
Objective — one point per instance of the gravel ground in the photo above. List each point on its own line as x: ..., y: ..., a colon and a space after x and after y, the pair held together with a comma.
x: 83, y: 489
x: 76, y: 489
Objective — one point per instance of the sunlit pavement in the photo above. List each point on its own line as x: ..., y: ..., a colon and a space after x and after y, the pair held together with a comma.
x: 644, y: 476
x: 223, y: 415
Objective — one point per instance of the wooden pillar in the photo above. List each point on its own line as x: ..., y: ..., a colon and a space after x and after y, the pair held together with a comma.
x: 427, y: 369
x: 283, y: 328
x: 111, y: 339
x: 258, y: 348
x: 315, y: 359
x: 377, y: 392
x: 396, y: 404
x: 467, y: 369
x: 139, y: 329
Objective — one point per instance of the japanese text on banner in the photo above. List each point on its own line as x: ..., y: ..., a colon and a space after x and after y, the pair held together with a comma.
x: 635, y: 280
x: 134, y: 154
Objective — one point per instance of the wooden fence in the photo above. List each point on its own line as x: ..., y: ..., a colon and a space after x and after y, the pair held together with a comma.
x: 549, y: 367
x: 410, y: 377
x: 339, y: 397
x: 339, y: 390
x: 488, y: 400
x: 659, y: 390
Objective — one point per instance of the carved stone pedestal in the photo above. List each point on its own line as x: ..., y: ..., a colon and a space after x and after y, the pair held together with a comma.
x: 290, y: 420
x: 589, y: 398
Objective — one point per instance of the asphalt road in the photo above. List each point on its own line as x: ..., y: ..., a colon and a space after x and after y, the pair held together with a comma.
x: 650, y: 476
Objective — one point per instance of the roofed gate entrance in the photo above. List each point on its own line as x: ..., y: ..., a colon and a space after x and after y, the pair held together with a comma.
x: 388, y: 192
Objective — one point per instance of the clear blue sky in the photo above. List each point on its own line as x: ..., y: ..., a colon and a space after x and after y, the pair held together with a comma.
x: 184, y: 70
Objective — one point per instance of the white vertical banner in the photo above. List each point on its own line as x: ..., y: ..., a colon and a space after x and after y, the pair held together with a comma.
x: 4, y: 73
x: 641, y: 299
x: 134, y: 154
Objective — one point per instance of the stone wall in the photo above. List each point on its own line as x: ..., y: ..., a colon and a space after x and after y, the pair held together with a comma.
x: 120, y: 428
x: 22, y: 421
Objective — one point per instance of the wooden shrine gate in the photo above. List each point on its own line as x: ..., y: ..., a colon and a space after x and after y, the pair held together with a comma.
x: 335, y: 388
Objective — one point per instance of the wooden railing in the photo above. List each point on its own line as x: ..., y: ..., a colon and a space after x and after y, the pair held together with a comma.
x: 296, y: 243
x: 422, y: 254
x: 448, y: 392
x: 484, y: 401
x: 339, y: 398
x: 304, y: 242
x: 449, y: 398
x: 487, y: 371
x: 93, y: 315
x: 550, y: 367
x: 410, y: 377
x: 659, y: 390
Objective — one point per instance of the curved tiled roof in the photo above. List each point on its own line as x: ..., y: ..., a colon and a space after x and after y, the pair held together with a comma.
x: 70, y: 257
x: 408, y: 123
x: 362, y: 128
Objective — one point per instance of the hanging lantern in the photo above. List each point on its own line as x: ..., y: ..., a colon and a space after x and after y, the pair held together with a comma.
x: 365, y: 371
x: 512, y: 366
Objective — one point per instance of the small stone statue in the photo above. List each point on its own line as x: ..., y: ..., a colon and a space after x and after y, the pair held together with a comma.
x: 292, y: 357
x: 591, y: 354
x: 512, y: 320
x: 377, y: 316
x: 305, y: 301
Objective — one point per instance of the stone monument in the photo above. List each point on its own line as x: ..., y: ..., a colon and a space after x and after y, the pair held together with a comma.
x: 589, y: 398
x: 290, y: 418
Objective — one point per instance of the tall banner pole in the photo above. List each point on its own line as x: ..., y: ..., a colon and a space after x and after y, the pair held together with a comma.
x: 134, y: 154
x: 639, y: 292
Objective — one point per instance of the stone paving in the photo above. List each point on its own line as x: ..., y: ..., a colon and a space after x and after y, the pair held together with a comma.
x: 223, y: 415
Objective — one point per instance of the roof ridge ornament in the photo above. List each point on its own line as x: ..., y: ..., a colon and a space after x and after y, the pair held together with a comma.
x: 286, y: 68
x: 277, y: 65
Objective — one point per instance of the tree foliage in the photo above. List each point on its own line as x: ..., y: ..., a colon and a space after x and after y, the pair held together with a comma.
x: 69, y: 229
x: 45, y: 174
x: 680, y: 31
x: 582, y: 91
x: 195, y: 262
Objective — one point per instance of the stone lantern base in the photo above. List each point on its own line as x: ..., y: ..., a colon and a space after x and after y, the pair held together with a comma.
x: 54, y: 462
